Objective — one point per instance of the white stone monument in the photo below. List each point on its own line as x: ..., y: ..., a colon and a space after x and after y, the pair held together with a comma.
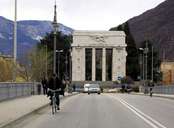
x: 102, y: 40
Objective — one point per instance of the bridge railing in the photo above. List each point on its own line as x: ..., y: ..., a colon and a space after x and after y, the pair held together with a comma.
x: 12, y: 90
x: 169, y: 89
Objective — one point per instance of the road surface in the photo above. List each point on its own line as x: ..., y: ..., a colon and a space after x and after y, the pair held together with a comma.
x: 106, y: 111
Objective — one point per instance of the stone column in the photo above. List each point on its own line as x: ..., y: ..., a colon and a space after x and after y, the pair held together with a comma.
x: 114, y: 64
x: 83, y: 65
x: 74, y: 64
x: 104, y: 64
x: 93, y: 64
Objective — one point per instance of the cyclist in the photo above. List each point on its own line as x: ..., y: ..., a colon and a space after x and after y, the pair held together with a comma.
x: 54, y: 83
x: 151, y: 92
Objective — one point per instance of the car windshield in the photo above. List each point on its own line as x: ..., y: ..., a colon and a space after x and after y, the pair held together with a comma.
x: 94, y: 86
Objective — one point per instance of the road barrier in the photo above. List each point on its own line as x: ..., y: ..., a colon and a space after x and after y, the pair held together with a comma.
x: 13, y: 90
x: 168, y: 89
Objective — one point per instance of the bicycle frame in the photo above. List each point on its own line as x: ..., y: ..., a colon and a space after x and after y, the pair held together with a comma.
x: 54, y: 105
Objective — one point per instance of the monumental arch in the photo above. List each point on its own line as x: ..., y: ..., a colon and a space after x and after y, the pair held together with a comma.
x: 98, y: 56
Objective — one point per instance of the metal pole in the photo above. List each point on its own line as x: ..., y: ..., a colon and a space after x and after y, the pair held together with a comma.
x: 66, y: 68
x: 15, y: 43
x: 140, y: 63
x: 58, y: 65
x: 46, y: 63
x: 55, y: 26
x: 143, y: 66
x: 70, y: 72
x: 54, y: 65
x: 146, y: 51
x: 152, y: 63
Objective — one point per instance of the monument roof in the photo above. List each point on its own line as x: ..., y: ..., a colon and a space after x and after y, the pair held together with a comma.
x: 108, y: 33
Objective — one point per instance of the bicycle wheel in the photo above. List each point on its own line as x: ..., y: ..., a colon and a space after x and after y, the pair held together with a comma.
x: 55, y: 108
x: 53, y: 105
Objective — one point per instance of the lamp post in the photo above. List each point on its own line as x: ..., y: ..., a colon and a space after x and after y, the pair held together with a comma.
x: 146, y: 57
x: 15, y: 42
x: 46, y: 61
x: 55, y: 27
x: 70, y: 65
x: 66, y: 64
x: 58, y: 51
x: 145, y: 52
x: 152, y: 65
x: 142, y: 63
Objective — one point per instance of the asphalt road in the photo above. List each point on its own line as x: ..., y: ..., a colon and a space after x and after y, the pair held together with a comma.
x: 106, y: 111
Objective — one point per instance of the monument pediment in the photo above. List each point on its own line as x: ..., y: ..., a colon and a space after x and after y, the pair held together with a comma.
x: 98, y: 38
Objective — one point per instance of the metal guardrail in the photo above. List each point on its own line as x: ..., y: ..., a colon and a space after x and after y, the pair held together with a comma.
x: 169, y: 89
x: 13, y: 90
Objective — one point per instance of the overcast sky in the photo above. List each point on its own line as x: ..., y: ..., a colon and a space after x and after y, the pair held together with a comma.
x: 79, y: 14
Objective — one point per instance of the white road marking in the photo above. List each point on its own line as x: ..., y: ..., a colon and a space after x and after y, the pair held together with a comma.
x: 152, y: 122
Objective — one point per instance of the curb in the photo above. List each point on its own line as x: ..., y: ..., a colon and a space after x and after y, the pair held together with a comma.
x: 171, y: 98
x: 23, y: 117
x: 154, y: 95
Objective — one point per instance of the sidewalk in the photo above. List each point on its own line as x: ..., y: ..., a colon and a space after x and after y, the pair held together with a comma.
x: 12, y: 110
x: 157, y: 95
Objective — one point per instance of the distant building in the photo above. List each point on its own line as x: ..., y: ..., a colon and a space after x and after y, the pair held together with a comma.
x: 167, y: 69
x: 6, y: 57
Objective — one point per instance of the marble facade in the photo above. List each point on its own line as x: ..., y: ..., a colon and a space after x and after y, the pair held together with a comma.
x: 114, y: 40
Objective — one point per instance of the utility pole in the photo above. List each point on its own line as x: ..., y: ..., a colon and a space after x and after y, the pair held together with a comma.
x: 15, y: 43
x: 70, y: 65
x: 146, y: 57
x: 58, y: 52
x: 142, y: 59
x: 55, y: 26
x: 152, y: 64
x: 46, y: 62
x: 66, y: 63
x: 140, y: 64
x: 143, y: 66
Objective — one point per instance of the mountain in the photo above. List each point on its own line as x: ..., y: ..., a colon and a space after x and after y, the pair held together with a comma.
x: 29, y: 32
x: 156, y: 25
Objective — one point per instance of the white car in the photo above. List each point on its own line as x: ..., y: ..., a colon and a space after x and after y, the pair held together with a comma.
x: 86, y: 87
x: 92, y: 88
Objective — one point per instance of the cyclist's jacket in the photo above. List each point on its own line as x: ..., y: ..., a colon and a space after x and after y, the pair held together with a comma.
x: 54, y: 83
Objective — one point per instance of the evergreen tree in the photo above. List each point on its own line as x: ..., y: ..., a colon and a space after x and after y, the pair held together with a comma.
x: 63, y: 42
x: 132, y: 65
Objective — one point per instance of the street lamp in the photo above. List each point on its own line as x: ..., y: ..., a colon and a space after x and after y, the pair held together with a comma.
x: 152, y: 65
x: 55, y: 26
x: 46, y: 61
x: 142, y: 64
x: 145, y: 52
x: 15, y: 42
x: 66, y: 64
x: 70, y: 65
x: 58, y: 51
x: 146, y: 62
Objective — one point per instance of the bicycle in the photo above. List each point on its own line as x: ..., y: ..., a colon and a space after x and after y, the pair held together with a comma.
x: 53, y: 100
